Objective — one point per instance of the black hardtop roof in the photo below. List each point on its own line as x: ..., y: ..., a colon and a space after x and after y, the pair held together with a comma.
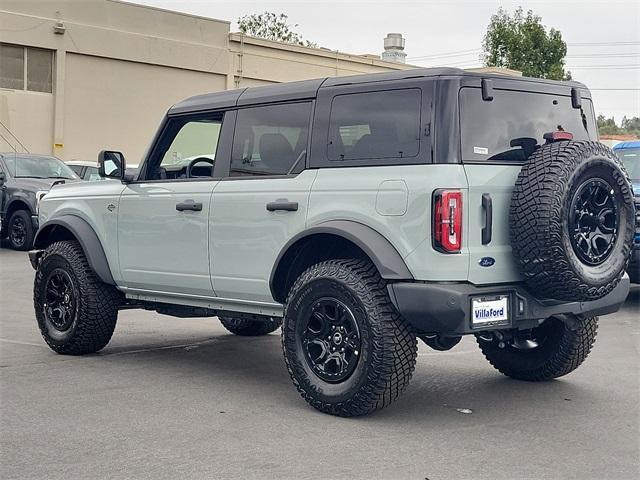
x: 309, y: 88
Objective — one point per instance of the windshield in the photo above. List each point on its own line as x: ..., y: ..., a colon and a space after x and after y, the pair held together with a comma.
x: 631, y: 159
x: 512, y: 125
x: 38, y: 167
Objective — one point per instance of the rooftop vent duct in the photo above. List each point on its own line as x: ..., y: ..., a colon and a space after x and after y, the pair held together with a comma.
x: 394, y: 48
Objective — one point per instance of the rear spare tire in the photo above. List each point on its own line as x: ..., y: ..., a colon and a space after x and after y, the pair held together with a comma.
x: 572, y: 220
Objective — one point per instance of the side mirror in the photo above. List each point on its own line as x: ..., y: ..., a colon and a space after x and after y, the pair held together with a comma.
x: 3, y: 177
x: 111, y: 164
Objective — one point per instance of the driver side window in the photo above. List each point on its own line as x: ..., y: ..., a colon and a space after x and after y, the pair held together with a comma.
x: 189, y: 149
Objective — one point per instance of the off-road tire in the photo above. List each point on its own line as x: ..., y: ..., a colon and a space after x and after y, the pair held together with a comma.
x: 388, y: 344
x: 250, y: 328
x: 29, y: 232
x: 562, y: 352
x: 540, y: 216
x: 96, y: 309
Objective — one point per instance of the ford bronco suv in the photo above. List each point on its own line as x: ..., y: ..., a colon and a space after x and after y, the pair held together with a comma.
x: 359, y: 213
x: 24, y: 179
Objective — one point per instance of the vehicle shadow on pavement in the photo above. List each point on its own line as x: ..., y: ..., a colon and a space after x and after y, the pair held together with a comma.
x: 441, y: 384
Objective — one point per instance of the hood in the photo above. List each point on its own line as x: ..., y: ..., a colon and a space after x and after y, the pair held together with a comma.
x: 36, y: 184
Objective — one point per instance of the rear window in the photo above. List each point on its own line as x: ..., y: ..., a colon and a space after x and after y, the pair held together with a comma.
x: 375, y: 125
x: 510, y: 127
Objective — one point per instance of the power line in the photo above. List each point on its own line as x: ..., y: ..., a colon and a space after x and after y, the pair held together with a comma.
x: 600, y: 44
x: 605, y: 55
x: 596, y: 67
x: 471, y: 51
x: 448, y: 54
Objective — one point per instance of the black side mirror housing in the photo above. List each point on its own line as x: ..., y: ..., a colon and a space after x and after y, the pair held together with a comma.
x: 3, y: 177
x: 111, y: 164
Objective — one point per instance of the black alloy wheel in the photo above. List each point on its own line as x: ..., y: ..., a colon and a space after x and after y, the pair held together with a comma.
x: 593, y: 224
x: 61, y: 298
x: 331, y: 340
x: 17, y: 231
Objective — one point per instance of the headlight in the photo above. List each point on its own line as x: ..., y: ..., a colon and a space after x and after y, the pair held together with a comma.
x: 39, y: 196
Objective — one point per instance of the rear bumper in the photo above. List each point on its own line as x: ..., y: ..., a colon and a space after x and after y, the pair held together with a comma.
x: 445, y: 308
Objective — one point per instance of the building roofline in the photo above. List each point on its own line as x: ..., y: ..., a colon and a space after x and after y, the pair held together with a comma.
x: 318, y: 51
x: 173, y: 12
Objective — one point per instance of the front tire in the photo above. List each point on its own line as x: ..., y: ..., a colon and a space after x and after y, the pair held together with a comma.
x: 250, y: 328
x: 76, y: 312
x: 347, y: 349
x: 551, y: 350
x: 20, y: 230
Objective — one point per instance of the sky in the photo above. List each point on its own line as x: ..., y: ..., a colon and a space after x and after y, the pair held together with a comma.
x: 603, y: 37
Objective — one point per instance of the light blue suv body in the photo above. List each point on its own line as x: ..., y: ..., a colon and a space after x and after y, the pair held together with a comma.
x: 364, y: 211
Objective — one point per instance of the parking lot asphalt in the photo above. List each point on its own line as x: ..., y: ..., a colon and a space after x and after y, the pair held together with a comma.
x: 182, y: 398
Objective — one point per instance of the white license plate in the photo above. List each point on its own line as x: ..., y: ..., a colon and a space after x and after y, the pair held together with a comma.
x: 490, y: 310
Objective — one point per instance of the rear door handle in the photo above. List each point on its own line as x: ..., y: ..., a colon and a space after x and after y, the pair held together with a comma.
x: 487, y: 207
x: 283, y: 205
x: 189, y: 205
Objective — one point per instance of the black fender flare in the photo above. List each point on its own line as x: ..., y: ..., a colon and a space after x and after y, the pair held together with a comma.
x: 86, y: 236
x: 382, y: 253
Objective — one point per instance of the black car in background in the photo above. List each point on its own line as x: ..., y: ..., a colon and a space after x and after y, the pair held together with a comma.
x: 24, y: 180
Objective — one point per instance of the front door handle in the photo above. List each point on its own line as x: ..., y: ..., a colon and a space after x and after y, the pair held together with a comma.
x: 487, y: 206
x: 283, y: 205
x: 189, y: 205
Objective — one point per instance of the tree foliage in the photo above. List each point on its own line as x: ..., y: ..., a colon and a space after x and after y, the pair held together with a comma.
x: 272, y: 26
x: 521, y: 42
x: 628, y: 126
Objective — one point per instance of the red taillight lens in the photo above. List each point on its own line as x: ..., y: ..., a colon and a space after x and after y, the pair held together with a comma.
x: 447, y: 220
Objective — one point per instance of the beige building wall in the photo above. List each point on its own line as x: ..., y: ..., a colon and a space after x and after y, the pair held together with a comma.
x: 118, y: 67
x: 116, y: 104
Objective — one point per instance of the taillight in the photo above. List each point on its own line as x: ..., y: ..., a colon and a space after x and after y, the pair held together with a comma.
x: 447, y: 220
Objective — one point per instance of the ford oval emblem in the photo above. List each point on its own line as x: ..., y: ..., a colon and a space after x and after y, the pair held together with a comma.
x: 487, y: 261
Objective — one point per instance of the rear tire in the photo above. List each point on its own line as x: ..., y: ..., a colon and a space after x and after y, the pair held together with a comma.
x: 347, y: 349
x: 76, y: 312
x: 572, y: 221
x: 250, y: 328
x: 20, y: 230
x: 561, y: 349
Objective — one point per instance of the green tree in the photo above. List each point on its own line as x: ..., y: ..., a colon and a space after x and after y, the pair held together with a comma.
x: 272, y: 26
x: 628, y: 126
x: 607, y: 126
x: 631, y: 125
x: 521, y: 42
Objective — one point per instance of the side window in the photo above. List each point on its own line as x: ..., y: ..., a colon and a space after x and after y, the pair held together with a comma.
x: 187, y: 149
x: 91, y: 174
x: 270, y: 140
x: 374, y: 125
x: 77, y: 169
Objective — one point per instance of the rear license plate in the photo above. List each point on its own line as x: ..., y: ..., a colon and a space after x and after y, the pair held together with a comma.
x: 492, y: 310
